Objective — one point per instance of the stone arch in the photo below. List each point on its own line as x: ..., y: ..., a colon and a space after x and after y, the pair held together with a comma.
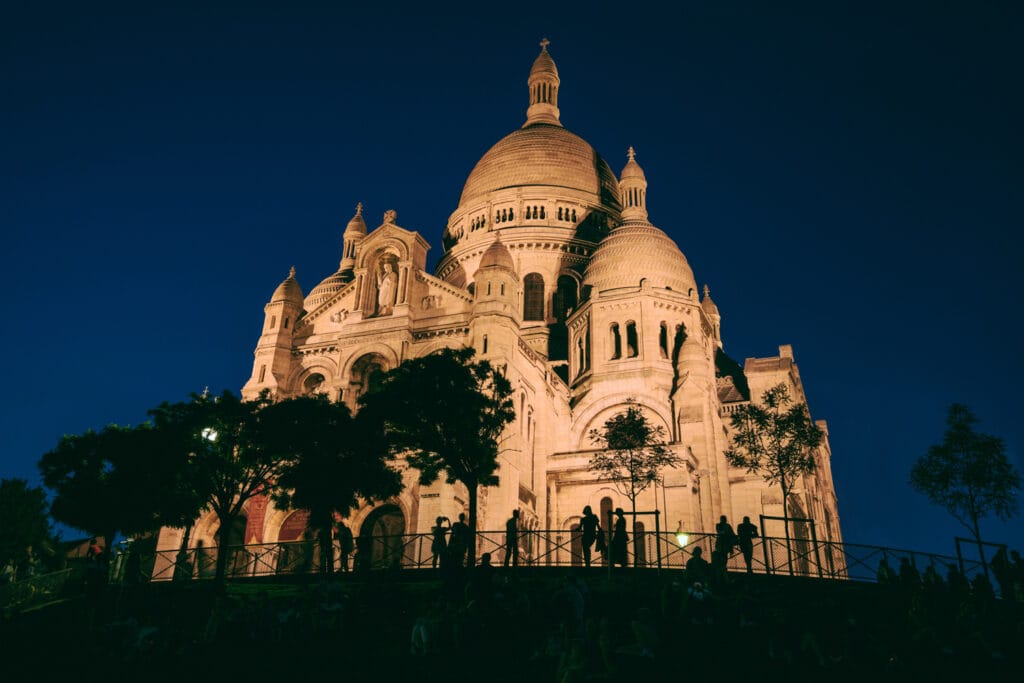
x: 595, y: 415
x: 381, y: 534
x: 323, y: 366
x: 365, y: 371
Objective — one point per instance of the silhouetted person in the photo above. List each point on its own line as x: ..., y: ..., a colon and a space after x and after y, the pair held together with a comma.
x: 725, y: 541
x: 620, y: 539
x: 346, y: 544
x: 697, y: 568
x: 439, y: 541
x: 512, y: 539
x: 746, y: 532
x: 590, y: 526
x: 482, y: 582
x: 458, y: 543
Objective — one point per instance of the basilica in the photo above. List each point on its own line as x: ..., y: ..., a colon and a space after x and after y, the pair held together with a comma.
x: 553, y: 272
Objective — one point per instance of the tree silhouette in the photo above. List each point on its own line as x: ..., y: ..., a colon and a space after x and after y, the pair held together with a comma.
x: 633, y: 453
x: 445, y: 412
x: 328, y: 463
x: 24, y: 522
x: 220, y: 440
x: 968, y: 473
x: 775, y: 439
x: 119, y: 480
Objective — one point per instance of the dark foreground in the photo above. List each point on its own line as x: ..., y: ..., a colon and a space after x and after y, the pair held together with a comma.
x: 566, y: 625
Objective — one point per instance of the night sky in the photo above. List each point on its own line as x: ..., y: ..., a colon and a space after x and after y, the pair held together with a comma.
x: 846, y: 177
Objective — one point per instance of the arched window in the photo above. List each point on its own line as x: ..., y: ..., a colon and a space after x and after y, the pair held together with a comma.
x: 677, y: 343
x: 485, y: 344
x: 472, y: 288
x: 273, y: 321
x: 565, y: 298
x: 581, y: 356
x: 663, y: 340
x: 615, y: 342
x: 632, y: 344
x: 533, y: 297
x: 286, y: 323
x: 503, y: 289
x: 488, y: 288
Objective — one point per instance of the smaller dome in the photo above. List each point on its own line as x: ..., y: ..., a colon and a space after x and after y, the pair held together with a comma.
x: 544, y: 64
x: 707, y: 304
x: 288, y: 291
x: 357, y: 224
x: 632, y: 169
x: 497, y: 256
x: 635, y: 251
x: 330, y: 286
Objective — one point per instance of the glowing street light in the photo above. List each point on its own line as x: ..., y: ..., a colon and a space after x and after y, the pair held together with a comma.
x: 681, y: 535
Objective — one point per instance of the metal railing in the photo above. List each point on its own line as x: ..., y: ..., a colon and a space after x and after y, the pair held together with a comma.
x: 545, y: 548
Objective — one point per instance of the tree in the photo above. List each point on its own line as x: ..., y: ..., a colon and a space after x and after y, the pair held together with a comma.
x: 633, y: 452
x: 968, y: 473
x: 24, y: 523
x: 127, y: 480
x: 446, y: 413
x: 219, y: 439
x: 327, y: 464
x: 775, y: 439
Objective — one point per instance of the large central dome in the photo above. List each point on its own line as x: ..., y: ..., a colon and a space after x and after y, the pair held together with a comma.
x: 542, y: 154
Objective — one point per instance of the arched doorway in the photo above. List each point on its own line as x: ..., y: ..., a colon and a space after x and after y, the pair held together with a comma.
x: 296, y: 547
x: 576, y: 544
x: 366, y: 374
x: 381, y: 537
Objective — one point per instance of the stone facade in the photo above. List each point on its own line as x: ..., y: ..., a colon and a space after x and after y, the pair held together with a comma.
x: 552, y: 271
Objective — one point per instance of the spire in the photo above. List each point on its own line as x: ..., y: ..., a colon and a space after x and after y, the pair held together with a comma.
x: 633, y: 189
x: 543, y: 84
x: 354, y: 233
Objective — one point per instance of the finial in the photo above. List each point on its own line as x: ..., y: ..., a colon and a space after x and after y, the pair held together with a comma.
x: 707, y: 292
x: 544, y: 44
x: 291, y: 272
x: 631, y: 153
x: 390, y: 215
x: 359, y: 209
x: 206, y: 391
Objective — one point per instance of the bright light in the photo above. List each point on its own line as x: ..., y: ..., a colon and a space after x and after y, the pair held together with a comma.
x: 681, y: 535
x: 210, y: 434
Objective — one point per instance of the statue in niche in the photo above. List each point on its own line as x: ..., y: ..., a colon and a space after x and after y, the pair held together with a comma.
x: 390, y: 215
x: 387, y: 288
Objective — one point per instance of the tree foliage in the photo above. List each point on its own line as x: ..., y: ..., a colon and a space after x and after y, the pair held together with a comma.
x: 328, y: 463
x: 634, y: 451
x: 220, y: 440
x: 775, y: 438
x: 968, y: 473
x: 24, y: 522
x: 446, y: 413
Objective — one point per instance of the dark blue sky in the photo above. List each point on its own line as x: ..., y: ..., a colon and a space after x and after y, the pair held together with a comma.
x: 847, y: 178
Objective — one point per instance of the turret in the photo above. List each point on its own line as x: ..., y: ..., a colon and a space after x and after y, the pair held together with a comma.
x: 543, y: 84
x: 495, y: 310
x: 273, y: 350
x: 633, y: 190
x: 711, y: 311
x: 355, y: 231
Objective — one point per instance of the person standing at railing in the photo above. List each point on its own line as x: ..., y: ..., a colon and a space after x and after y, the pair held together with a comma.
x: 746, y: 532
x: 458, y: 542
x: 512, y: 539
x: 620, y: 539
x: 439, y: 541
x: 590, y: 526
x: 346, y: 544
x: 725, y: 541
